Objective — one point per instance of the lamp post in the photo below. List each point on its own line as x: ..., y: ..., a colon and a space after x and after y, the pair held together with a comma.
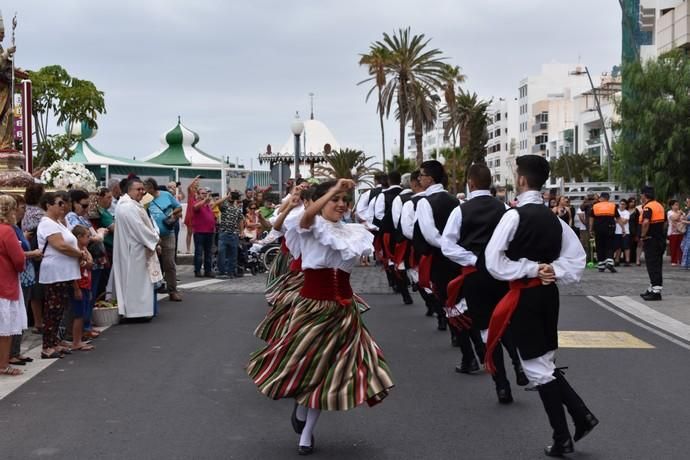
x: 297, y: 128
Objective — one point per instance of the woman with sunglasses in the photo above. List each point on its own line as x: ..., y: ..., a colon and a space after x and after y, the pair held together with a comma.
x: 59, y: 268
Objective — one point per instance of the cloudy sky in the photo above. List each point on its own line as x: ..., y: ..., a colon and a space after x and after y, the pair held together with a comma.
x: 236, y: 71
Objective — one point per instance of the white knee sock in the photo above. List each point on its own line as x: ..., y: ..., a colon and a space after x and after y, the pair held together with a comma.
x: 312, y: 417
x: 301, y: 413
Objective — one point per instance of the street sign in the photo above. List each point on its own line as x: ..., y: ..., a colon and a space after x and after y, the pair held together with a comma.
x: 276, y: 173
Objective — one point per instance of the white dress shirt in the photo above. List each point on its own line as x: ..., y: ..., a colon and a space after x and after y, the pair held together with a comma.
x: 396, y: 207
x: 408, y: 217
x: 451, y: 235
x: 362, y: 205
x: 568, y: 267
x: 380, y: 205
x: 425, y: 217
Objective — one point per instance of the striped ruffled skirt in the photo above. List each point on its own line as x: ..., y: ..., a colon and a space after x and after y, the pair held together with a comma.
x: 284, y: 292
x: 279, y: 267
x: 326, y: 359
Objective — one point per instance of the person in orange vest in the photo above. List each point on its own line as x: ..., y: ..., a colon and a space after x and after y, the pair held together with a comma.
x: 602, y: 222
x: 653, y: 239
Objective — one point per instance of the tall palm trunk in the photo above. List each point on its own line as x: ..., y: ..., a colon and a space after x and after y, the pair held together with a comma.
x: 418, y: 135
x: 383, y: 137
x: 402, y: 108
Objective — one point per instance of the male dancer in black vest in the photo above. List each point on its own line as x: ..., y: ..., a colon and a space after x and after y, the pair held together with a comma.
x: 383, y: 219
x: 400, y: 244
x: 432, y: 214
x: 465, y: 237
x: 532, y: 249
x: 408, y: 219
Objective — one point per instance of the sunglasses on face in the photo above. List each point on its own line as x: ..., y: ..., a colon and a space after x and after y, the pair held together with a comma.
x: 59, y: 203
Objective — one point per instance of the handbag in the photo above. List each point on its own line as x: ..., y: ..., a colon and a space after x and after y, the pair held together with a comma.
x: 682, y: 226
x: 28, y: 276
x: 169, y: 220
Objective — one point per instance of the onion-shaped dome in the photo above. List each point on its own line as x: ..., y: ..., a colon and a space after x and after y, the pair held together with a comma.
x: 179, y: 149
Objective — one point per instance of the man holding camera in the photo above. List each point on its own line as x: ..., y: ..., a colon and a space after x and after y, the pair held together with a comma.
x: 229, y: 231
x: 166, y: 211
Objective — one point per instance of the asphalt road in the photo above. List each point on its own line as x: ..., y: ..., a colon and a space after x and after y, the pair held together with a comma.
x: 176, y: 388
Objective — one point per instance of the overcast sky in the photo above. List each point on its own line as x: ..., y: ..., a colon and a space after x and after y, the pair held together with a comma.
x: 236, y: 71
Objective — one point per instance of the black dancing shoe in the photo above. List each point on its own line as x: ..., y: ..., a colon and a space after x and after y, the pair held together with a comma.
x: 520, y: 377
x: 467, y: 367
x: 559, y: 448
x: 297, y: 424
x: 611, y: 268
x: 650, y: 296
x: 442, y: 323
x: 306, y: 450
x: 583, y: 428
x: 407, y: 298
x: 504, y: 395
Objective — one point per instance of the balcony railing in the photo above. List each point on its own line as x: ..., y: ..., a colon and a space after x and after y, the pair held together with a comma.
x: 543, y: 126
x: 538, y: 148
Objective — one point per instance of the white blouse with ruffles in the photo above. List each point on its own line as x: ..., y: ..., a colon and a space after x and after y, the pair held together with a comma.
x: 329, y: 244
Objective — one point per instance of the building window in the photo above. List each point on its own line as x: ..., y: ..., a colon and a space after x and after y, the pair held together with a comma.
x: 498, y: 162
x: 497, y: 132
x: 498, y: 116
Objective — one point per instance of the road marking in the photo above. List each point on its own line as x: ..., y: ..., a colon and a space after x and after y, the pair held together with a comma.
x: 638, y: 323
x: 651, y: 316
x: 599, y: 339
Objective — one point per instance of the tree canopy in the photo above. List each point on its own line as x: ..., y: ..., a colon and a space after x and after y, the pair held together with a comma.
x: 59, y: 98
x: 654, y: 139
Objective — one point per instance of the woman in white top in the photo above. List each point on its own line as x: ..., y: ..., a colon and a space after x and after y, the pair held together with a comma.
x: 59, y: 268
x: 622, y: 237
x: 327, y: 360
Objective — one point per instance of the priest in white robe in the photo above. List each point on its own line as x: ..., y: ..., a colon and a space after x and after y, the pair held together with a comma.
x: 135, y: 264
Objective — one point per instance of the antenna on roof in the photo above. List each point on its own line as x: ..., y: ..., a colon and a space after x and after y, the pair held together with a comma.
x: 311, y: 96
x: 179, y: 120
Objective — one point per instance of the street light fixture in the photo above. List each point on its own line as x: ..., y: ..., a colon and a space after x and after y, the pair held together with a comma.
x: 297, y: 128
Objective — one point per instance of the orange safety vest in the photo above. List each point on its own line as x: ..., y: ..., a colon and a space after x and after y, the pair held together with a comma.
x: 604, y: 209
x: 658, y: 213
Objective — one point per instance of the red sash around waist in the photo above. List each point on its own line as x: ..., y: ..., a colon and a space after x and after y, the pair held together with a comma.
x: 327, y: 284
x: 283, y: 247
x: 455, y: 285
x: 501, y: 317
x: 425, y: 271
x: 296, y: 265
x: 400, y: 251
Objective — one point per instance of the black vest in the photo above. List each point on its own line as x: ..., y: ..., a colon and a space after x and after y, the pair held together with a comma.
x: 442, y: 204
x: 418, y: 242
x: 386, y: 224
x: 404, y: 198
x: 480, y: 216
x: 538, y: 236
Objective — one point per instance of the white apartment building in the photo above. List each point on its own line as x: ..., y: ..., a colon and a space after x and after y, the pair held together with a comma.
x: 501, y: 147
x: 432, y: 141
x: 556, y: 81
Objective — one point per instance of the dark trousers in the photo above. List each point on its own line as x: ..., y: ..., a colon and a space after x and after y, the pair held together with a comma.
x: 203, y: 246
x: 228, y: 244
x: 605, y: 246
x: 55, y: 301
x: 653, y: 258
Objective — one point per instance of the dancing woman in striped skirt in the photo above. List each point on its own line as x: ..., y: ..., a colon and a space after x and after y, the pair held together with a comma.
x: 283, y: 289
x: 326, y: 360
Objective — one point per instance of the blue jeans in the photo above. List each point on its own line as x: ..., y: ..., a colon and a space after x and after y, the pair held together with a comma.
x: 95, y: 283
x: 203, y: 243
x: 227, y: 253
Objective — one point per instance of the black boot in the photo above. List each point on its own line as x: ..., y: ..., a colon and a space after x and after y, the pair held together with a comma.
x: 584, y: 419
x: 401, y: 280
x: 550, y: 394
x: 469, y: 363
x: 502, y: 385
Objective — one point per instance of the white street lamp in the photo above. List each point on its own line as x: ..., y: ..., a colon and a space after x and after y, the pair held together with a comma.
x: 297, y: 128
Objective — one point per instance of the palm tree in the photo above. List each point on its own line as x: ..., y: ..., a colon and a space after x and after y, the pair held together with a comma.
x: 451, y: 77
x: 470, y: 116
x: 411, y: 61
x: 347, y: 164
x: 402, y: 165
x: 574, y: 166
x: 376, y: 60
x: 422, y: 111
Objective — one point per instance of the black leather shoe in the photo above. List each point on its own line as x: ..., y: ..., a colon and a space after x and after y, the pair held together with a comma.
x: 429, y: 312
x: 306, y: 450
x: 520, y: 377
x: 467, y: 368
x: 442, y: 323
x: 651, y: 296
x: 297, y: 424
x: 559, y: 448
x: 504, y: 395
x: 407, y: 298
x: 584, y: 428
x: 611, y: 269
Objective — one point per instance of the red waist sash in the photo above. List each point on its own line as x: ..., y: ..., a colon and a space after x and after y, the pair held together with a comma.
x: 399, y: 253
x: 425, y: 271
x: 501, y: 317
x: 455, y: 285
x: 296, y: 265
x: 283, y: 247
x: 327, y: 284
